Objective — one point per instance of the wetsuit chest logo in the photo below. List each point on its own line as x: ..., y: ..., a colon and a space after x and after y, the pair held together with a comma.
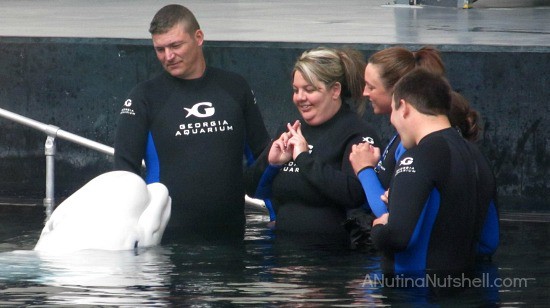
x: 406, y: 161
x: 291, y: 166
x: 405, y: 166
x: 369, y: 140
x: 200, y: 110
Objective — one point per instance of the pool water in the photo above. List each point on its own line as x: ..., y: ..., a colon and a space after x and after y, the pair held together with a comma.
x: 256, y: 272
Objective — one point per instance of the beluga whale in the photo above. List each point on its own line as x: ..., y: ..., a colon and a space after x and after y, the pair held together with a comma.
x: 116, y: 210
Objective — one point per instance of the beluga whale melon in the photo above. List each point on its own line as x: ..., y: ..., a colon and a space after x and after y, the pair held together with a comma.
x: 116, y: 210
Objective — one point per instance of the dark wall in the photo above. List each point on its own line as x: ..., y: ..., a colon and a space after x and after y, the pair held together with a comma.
x: 79, y: 84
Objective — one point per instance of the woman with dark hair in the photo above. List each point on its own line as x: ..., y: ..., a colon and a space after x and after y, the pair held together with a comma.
x: 384, y: 69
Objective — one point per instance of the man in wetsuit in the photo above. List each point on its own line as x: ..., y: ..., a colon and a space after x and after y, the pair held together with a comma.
x: 441, y: 188
x: 192, y: 124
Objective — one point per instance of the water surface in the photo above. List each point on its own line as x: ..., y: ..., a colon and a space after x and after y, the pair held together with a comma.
x: 260, y: 271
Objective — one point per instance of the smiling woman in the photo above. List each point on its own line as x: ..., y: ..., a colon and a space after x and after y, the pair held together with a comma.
x: 306, y: 173
x: 315, y: 102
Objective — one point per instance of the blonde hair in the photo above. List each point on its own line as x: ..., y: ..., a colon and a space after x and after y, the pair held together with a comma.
x: 329, y: 66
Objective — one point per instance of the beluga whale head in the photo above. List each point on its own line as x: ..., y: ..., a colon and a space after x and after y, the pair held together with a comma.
x: 115, y: 211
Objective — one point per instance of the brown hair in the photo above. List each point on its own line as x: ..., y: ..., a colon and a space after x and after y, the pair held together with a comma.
x: 169, y: 16
x: 395, y: 62
x: 427, y: 92
x: 463, y: 117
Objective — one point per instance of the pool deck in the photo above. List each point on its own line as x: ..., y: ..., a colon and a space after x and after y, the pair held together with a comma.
x: 296, y: 21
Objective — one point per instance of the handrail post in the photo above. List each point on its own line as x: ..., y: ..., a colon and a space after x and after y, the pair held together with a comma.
x: 50, y: 151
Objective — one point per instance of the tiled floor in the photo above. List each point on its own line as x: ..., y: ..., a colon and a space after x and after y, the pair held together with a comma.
x: 322, y: 21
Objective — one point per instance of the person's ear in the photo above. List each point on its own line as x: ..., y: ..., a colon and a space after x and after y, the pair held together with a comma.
x: 336, y: 90
x: 405, y: 108
x: 199, y: 37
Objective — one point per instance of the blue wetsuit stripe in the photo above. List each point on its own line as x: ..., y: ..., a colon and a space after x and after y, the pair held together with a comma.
x: 373, y: 190
x: 490, y: 236
x: 249, y: 155
x: 264, y: 187
x: 270, y: 209
x: 414, y: 258
x: 371, y: 183
x: 263, y: 190
x: 151, y: 161
x: 399, y: 151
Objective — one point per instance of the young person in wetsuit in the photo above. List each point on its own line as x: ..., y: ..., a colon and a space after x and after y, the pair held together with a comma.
x: 192, y: 124
x: 306, y: 174
x: 441, y: 188
x: 384, y: 69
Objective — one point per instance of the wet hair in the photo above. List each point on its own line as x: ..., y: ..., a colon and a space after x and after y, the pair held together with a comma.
x: 169, y: 16
x: 427, y: 92
x: 329, y: 66
x: 463, y: 117
x: 395, y: 62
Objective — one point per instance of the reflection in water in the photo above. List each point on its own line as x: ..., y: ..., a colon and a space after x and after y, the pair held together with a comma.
x: 92, y: 277
x: 107, y: 277
x: 259, y: 271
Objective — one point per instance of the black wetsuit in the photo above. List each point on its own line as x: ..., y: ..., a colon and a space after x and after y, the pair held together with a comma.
x: 311, y: 194
x: 192, y: 135
x: 438, y: 201
x: 377, y: 180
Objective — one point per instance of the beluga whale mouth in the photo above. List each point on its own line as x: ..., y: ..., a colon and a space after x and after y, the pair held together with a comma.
x: 115, y: 211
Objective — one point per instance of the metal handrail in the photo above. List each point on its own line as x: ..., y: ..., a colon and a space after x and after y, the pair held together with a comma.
x: 55, y: 131
x: 52, y: 132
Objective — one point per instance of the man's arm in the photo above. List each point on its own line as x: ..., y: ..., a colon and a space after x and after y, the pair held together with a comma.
x: 257, y: 138
x: 131, y: 136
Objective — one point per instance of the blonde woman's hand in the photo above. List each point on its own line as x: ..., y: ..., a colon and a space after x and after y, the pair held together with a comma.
x: 297, y: 141
x: 281, y: 152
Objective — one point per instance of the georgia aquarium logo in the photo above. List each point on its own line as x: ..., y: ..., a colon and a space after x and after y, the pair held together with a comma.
x: 201, y: 110
x: 406, y: 161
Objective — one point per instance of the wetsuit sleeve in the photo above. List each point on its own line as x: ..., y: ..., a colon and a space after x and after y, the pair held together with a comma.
x: 259, y: 176
x: 373, y: 190
x: 373, y: 187
x: 340, y: 186
x: 487, y: 218
x: 490, y: 237
x: 257, y: 137
x: 131, y: 134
